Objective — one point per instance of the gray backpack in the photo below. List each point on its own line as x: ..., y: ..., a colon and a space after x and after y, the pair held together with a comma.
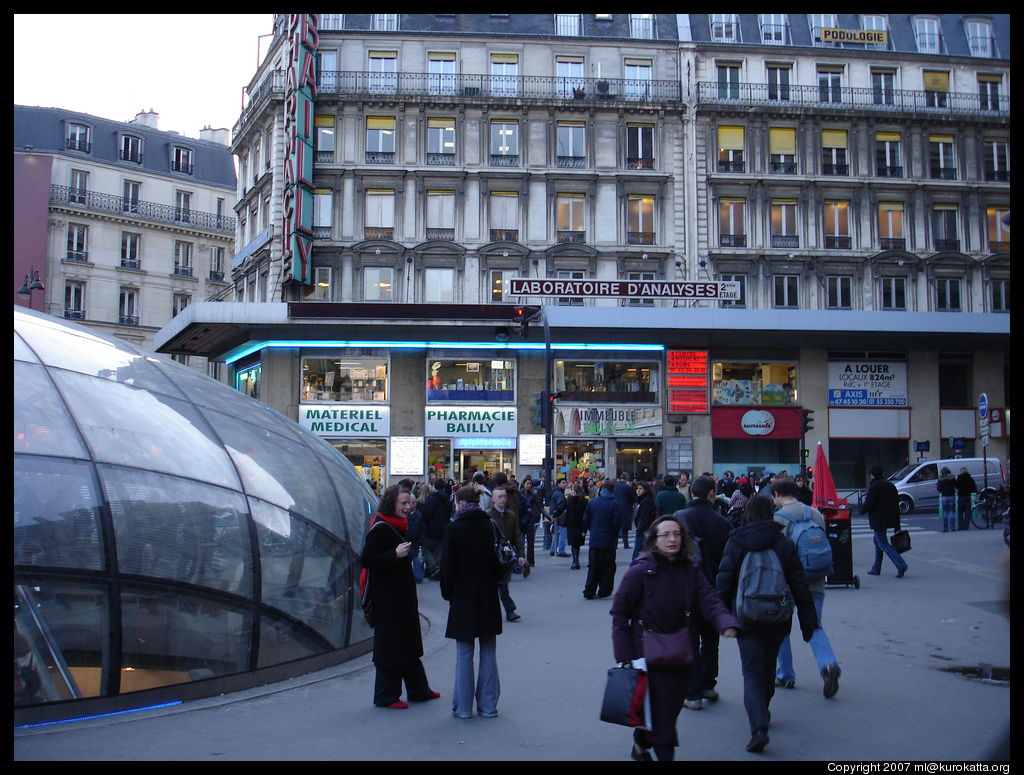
x: 762, y: 594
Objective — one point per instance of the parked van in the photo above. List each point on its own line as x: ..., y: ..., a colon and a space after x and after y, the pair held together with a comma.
x: 916, y: 483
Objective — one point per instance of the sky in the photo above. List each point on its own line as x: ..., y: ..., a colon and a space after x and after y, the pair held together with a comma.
x: 192, y: 69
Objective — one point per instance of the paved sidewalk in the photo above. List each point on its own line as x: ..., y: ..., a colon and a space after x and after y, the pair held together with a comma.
x: 894, y: 703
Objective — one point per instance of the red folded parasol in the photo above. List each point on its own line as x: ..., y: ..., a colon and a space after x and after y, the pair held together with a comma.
x: 823, y: 492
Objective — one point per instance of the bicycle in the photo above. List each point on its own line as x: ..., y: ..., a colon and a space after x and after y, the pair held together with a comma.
x: 992, y: 506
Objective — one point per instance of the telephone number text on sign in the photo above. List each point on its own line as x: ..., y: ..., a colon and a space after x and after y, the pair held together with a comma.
x: 638, y: 289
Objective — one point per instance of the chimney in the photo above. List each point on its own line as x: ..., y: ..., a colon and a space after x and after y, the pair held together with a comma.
x: 147, y: 118
x: 222, y: 136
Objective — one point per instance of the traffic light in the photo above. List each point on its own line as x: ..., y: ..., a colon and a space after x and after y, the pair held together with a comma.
x: 521, y: 316
x: 806, y: 420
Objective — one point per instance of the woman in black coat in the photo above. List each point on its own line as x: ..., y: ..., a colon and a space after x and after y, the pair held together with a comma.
x: 575, y: 504
x: 759, y: 643
x: 397, y: 643
x: 470, y: 573
x: 644, y: 516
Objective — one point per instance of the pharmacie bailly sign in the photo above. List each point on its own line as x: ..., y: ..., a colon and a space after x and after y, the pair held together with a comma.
x: 626, y: 289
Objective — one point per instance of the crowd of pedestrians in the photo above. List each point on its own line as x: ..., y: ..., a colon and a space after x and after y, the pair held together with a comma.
x: 693, y: 546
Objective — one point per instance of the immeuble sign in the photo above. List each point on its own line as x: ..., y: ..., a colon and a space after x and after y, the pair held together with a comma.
x: 626, y: 289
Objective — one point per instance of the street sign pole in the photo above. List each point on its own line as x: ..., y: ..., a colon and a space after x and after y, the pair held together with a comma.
x: 983, y: 427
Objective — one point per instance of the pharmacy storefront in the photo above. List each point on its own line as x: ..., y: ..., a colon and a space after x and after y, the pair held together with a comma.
x: 462, y: 440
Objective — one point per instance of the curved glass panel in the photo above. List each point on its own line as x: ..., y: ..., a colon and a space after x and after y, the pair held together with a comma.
x: 178, y: 529
x: 174, y: 637
x: 22, y: 351
x: 306, y: 573
x: 56, y: 513
x: 140, y: 428
x: 282, y: 641
x: 41, y: 422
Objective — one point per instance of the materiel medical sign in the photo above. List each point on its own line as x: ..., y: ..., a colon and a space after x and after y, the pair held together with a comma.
x: 625, y: 289
x: 300, y: 89
x: 867, y: 383
x: 688, y: 381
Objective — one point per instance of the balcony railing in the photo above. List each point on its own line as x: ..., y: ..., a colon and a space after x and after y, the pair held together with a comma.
x: 74, y: 144
x: 441, y: 159
x: 74, y: 314
x: 571, y: 162
x: 783, y: 167
x: 893, y: 243
x: 378, y: 232
x: 835, y: 169
x: 996, y: 246
x: 849, y: 97
x: 151, y: 211
x: 837, y: 243
x: 732, y: 240
x: 731, y: 166
x: 566, y: 235
x: 640, y: 164
x: 181, y: 166
x: 128, y: 320
x: 81, y: 256
x: 639, y: 237
x: 943, y: 173
x: 323, y: 232
x: 890, y: 172
x: 504, y: 235
x: 131, y: 263
x: 380, y: 157
x: 998, y: 175
x: 947, y: 244
x: 125, y: 155
x: 182, y: 271
x: 785, y: 241
x: 217, y: 277
x: 504, y: 160
x: 441, y: 234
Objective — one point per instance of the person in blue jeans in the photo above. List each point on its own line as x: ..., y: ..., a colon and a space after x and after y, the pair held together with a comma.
x: 882, y: 506
x: 947, y: 500
x: 784, y: 497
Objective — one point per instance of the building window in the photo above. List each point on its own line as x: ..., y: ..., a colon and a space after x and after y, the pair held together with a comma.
x: 820, y: 21
x: 784, y: 233
x: 640, y: 146
x: 736, y: 278
x: 728, y: 81
x: 378, y: 283
x: 1001, y: 294
x: 439, y: 285
x: 79, y: 187
x: 380, y: 140
x: 888, y: 160
x: 504, y: 143
x: 725, y: 28
x: 325, y: 139
x: 183, y: 206
x: 997, y: 159
x: 383, y: 75
x: 730, y: 149
x: 79, y: 138
x: 569, y: 210
x: 830, y: 84
x: 499, y: 285
x: 837, y: 226
x: 833, y: 152
x: 466, y: 379
x: 217, y: 264
x: 998, y: 231
x: 947, y: 294
x: 839, y: 292
x: 441, y: 141
x: 78, y: 242
x: 942, y: 162
x: 936, y: 88
x: 877, y: 23
x: 746, y: 383
x: 131, y: 149
x: 641, y: 277
x: 570, y: 274
x: 248, y: 380
x: 504, y: 75
x: 894, y: 293
x: 988, y: 91
x: 128, y: 307
x: 440, y: 215
x: 567, y: 24
x: 571, y: 144
x: 883, y: 86
x: 183, y: 258
x: 179, y: 302
x: 323, y: 213
x: 130, y: 250
x: 638, y: 74
x: 569, y: 75
x: 641, y: 25
x: 321, y: 283
x: 890, y: 226
x: 929, y: 39
x: 181, y: 160
x: 340, y: 378
x: 504, y: 216
x: 380, y: 215
x: 778, y: 82
x: 384, y: 22
x: 326, y: 68
x: 979, y: 38
x: 782, y: 150
x: 774, y: 28
x: 732, y: 231
x: 131, y: 192
x: 74, y: 300
x: 612, y: 382
x: 944, y: 227
x: 640, y: 227
x: 786, y: 291
x: 441, y: 72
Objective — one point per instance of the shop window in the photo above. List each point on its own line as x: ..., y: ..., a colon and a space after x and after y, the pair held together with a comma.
x: 248, y: 380
x: 769, y: 384
x: 466, y: 379
x: 608, y: 382
x: 338, y: 378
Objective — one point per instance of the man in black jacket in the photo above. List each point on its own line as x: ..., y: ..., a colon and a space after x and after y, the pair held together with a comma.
x: 710, y: 529
x: 882, y: 505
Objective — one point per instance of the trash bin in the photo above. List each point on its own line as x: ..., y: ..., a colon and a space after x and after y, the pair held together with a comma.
x: 840, y: 538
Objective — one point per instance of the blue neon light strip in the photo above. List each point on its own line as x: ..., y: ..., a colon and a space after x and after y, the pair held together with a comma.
x: 406, y: 345
x: 99, y: 715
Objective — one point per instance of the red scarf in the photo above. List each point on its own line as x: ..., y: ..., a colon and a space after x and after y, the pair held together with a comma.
x: 401, y: 524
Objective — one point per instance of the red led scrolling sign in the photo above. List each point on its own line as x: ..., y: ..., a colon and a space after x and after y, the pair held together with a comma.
x: 688, y: 382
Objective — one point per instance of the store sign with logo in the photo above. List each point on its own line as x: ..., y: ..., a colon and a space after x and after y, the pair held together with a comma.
x: 471, y: 421
x: 738, y: 422
x: 757, y: 422
x: 345, y: 420
x: 867, y: 383
x: 606, y: 421
x: 833, y: 35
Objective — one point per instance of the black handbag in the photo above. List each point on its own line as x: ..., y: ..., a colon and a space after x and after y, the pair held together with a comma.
x: 901, y: 541
x: 624, y: 694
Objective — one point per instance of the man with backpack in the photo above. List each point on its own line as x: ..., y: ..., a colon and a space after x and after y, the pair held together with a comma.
x: 805, y: 527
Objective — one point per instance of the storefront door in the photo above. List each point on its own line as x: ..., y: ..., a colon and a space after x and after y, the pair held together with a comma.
x: 369, y: 457
x: 490, y: 461
x: 636, y: 459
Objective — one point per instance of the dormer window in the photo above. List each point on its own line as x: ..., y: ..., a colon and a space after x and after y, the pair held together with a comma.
x: 181, y: 160
x: 79, y: 138
x: 130, y: 149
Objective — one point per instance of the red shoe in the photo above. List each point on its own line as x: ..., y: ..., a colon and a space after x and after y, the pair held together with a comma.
x: 395, y: 705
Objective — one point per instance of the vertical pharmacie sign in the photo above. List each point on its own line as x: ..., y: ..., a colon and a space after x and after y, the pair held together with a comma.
x: 300, y: 89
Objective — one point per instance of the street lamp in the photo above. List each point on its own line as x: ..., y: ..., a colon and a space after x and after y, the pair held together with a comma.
x: 32, y: 283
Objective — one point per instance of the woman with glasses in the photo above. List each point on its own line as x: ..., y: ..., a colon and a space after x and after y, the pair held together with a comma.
x: 661, y: 592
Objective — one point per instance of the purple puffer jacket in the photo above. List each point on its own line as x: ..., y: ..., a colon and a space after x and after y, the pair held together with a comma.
x: 658, y: 592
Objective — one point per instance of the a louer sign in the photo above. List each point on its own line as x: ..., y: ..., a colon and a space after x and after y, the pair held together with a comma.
x: 626, y: 289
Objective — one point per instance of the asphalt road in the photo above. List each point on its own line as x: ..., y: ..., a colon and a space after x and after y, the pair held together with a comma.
x: 896, y: 639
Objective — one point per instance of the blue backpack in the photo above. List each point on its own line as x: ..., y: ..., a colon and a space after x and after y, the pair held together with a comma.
x: 812, y: 545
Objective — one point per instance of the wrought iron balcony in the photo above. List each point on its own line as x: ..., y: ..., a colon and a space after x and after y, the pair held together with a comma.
x: 325, y: 157
x: 785, y: 241
x: 851, y: 98
x: 323, y: 232
x: 837, y: 242
x: 74, y: 144
x: 74, y: 314
x: 80, y: 256
x: 890, y: 172
x: 131, y: 263
x: 440, y: 234
x: 181, y: 166
x: 441, y: 159
x: 639, y: 237
x: 217, y: 277
x: 504, y: 160
x: 149, y: 211
x: 893, y: 243
x: 378, y: 232
x: 731, y: 166
x: 128, y: 320
x: 997, y: 246
x: 380, y: 157
x: 947, y: 244
x: 504, y: 235
x: 571, y: 162
x: 732, y: 240
x: 783, y: 167
x: 998, y: 175
x: 640, y: 164
x: 835, y: 169
x: 566, y: 235
x: 135, y: 156
x: 944, y: 173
